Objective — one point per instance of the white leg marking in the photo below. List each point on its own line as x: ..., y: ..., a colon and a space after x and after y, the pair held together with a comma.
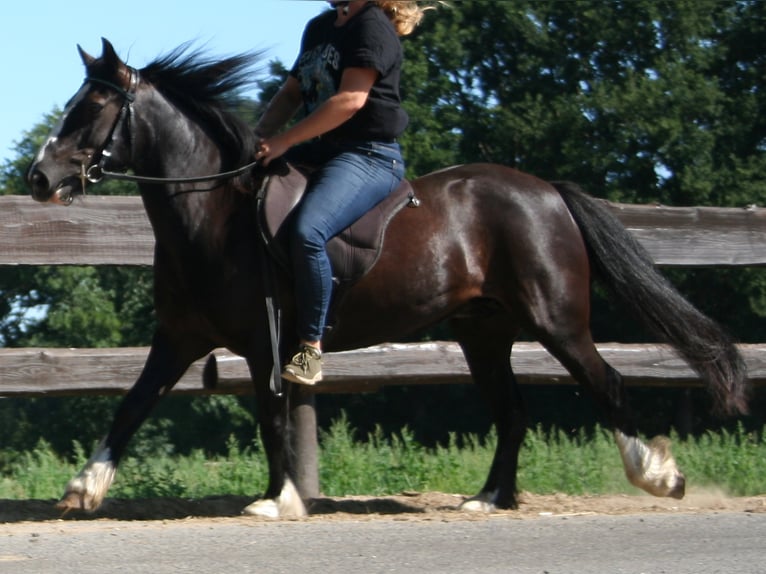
x: 651, y: 467
x: 287, y: 505
x: 477, y: 505
x: 87, y: 490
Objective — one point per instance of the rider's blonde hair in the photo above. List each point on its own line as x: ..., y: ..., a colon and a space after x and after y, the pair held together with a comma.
x: 404, y: 14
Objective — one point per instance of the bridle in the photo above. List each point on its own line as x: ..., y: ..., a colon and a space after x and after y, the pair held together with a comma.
x: 96, y: 171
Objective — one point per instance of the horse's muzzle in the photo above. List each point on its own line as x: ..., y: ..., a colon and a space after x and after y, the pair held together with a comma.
x: 42, y: 190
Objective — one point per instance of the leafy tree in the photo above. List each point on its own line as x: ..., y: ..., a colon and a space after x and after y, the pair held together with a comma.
x: 621, y: 96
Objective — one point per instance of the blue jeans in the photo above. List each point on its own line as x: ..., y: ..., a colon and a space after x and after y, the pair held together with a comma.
x: 352, y: 179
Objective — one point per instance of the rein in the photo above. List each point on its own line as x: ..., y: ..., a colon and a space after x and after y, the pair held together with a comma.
x: 103, y: 173
x: 96, y: 172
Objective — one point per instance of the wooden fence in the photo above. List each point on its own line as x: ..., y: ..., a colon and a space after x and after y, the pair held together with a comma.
x: 103, y: 230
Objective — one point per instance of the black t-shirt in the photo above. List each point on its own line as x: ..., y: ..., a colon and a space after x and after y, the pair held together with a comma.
x: 368, y: 40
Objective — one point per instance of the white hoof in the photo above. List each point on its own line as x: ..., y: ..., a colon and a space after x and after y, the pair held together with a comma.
x: 287, y: 505
x: 476, y: 505
x: 87, y: 490
x: 651, y: 467
x: 266, y: 508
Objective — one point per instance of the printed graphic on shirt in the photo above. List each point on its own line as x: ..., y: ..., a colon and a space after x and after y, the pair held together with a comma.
x: 317, y: 72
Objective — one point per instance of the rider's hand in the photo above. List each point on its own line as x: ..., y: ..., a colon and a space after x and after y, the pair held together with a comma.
x: 271, y: 148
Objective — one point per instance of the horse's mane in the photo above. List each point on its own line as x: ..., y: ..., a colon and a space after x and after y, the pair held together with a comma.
x: 208, y: 90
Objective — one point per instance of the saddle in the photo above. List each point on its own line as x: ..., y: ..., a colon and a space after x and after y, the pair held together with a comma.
x: 353, y: 252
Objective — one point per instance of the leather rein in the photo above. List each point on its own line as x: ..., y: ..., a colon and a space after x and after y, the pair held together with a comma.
x: 97, y: 171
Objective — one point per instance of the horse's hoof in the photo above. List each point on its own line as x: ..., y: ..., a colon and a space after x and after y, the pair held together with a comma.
x: 287, y: 505
x: 76, y: 501
x: 266, y: 508
x: 679, y: 490
x: 477, y: 505
x: 651, y: 466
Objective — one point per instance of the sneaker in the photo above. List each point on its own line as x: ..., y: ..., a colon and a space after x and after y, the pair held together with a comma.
x: 305, y: 367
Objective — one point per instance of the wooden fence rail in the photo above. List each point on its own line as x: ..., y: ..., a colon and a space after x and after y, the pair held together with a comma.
x: 103, y: 230
x: 66, y: 372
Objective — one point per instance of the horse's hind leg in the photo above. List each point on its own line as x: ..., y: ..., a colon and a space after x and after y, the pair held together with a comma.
x: 553, y: 305
x: 486, y: 344
x: 650, y: 466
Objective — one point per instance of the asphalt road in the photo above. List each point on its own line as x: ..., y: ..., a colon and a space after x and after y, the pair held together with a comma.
x: 632, y: 544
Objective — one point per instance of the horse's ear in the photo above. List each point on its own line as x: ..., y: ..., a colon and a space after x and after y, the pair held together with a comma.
x: 87, y: 59
x: 108, y: 54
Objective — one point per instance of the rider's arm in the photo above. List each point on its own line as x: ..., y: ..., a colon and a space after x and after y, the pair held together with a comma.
x: 281, y: 108
x: 352, y: 94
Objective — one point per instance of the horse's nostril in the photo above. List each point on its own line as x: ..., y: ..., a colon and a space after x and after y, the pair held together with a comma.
x: 38, y: 183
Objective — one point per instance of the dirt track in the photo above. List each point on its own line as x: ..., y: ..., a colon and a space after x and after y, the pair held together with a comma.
x: 393, y: 535
x: 406, y: 506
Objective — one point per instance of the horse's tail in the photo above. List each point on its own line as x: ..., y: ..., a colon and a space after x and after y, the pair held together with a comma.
x: 627, y: 270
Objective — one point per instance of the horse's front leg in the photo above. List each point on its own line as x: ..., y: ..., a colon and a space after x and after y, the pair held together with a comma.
x: 281, y: 499
x: 164, y: 366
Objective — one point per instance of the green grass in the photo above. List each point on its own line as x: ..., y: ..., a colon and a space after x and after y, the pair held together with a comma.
x: 586, y: 463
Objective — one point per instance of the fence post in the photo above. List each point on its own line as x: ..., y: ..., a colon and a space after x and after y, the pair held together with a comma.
x: 304, y: 450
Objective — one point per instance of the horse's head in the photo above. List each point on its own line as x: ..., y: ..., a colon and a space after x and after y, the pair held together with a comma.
x: 91, y: 134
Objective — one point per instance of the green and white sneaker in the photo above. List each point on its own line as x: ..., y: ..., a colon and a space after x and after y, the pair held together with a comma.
x: 305, y: 367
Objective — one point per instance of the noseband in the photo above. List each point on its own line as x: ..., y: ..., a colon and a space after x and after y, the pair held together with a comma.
x: 97, y: 170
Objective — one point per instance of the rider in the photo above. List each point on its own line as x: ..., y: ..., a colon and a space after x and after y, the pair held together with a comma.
x: 346, y: 77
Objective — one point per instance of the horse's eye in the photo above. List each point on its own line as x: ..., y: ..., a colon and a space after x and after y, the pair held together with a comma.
x: 94, y: 108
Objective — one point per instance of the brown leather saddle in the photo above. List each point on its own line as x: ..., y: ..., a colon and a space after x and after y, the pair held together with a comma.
x: 354, y: 251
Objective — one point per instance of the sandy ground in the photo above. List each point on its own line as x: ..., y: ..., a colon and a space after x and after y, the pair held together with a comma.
x: 406, y: 506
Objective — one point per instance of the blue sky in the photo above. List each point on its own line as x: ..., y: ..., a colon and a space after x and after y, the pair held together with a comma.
x: 41, y: 68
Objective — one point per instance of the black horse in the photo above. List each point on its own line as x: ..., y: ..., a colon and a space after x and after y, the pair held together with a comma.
x: 490, y: 249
